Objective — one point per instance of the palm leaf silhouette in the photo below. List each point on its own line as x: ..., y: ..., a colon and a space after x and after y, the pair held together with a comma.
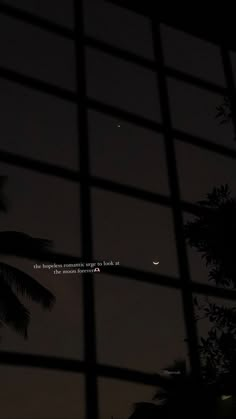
x: 27, y: 286
x: 12, y: 311
x: 23, y: 245
x: 14, y: 282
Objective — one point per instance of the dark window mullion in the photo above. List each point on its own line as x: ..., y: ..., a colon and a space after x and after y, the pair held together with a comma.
x: 91, y: 393
x: 188, y: 309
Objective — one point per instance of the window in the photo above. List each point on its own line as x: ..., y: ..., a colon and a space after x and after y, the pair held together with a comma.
x: 194, y: 111
x: 58, y: 332
x: 118, y: 398
x: 38, y: 126
x: 60, y: 12
x: 44, y: 394
x: 135, y: 226
x: 120, y: 151
x: 49, y: 58
x: 201, y: 170
x: 121, y: 84
x: 57, y: 219
x: 140, y: 315
x: 104, y: 21
x: 192, y: 55
x: 154, y: 333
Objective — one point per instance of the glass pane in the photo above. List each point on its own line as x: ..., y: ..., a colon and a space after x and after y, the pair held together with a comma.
x: 37, y: 53
x: 38, y: 126
x: 119, y: 27
x: 134, y: 232
x: 192, y: 55
x: 42, y: 206
x: 201, y: 170
x: 122, y: 84
x: 154, y: 333
x: 120, y: 152
x: 117, y: 398
x: 211, y: 238
x: 41, y: 394
x: 38, y: 207
x: 194, y: 111
x: 55, y: 332
x: 216, y: 314
x: 58, y: 11
x: 198, y: 268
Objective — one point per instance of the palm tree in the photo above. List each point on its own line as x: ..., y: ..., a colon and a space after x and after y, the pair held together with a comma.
x: 14, y: 282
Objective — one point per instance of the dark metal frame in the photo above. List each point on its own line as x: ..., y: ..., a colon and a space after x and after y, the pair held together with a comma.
x: 89, y: 366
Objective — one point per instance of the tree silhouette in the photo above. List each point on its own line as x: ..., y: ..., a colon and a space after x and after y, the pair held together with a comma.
x: 181, y: 397
x: 213, y: 235
x: 224, y: 112
x: 14, y: 282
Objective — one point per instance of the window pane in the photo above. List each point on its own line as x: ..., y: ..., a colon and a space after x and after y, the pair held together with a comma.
x: 45, y: 208
x: 41, y: 394
x: 58, y: 332
x: 42, y: 206
x: 154, y: 333
x: 117, y: 398
x: 219, y: 314
x: 194, y: 112
x: 134, y: 232
x: 119, y: 27
x: 192, y: 55
x: 58, y: 11
x: 37, y: 53
x: 201, y: 170
x: 38, y: 126
x: 120, y: 152
x: 198, y: 268
x: 122, y: 84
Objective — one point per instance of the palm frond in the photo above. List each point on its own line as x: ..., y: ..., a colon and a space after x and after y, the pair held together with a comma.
x: 12, y: 311
x: 23, y: 245
x: 27, y: 286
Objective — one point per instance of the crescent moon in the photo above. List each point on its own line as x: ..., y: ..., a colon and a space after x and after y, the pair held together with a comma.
x: 155, y: 263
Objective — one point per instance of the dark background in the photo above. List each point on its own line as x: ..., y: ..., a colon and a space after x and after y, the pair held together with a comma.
x: 139, y: 325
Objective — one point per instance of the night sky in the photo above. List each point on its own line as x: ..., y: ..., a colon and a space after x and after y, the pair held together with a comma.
x: 139, y: 326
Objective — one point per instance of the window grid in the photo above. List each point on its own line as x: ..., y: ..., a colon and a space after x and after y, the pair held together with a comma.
x: 91, y: 369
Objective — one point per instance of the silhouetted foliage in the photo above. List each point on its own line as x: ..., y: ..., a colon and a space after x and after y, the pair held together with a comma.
x: 14, y: 282
x: 182, y: 397
x: 224, y: 112
x: 213, y: 234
